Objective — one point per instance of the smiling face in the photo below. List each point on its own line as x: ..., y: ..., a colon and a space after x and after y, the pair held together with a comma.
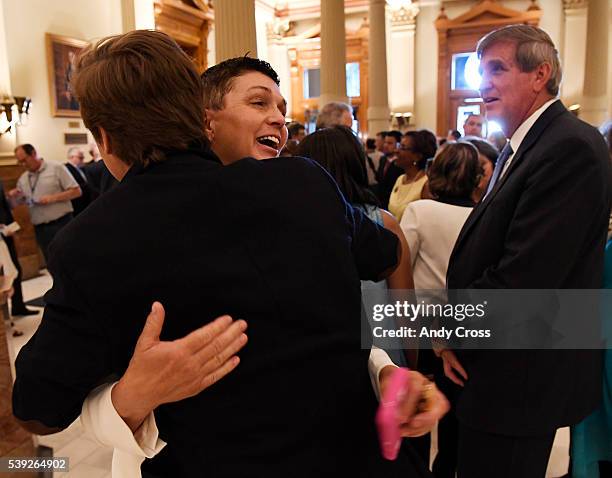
x: 251, y: 122
x: 406, y: 154
x: 509, y: 94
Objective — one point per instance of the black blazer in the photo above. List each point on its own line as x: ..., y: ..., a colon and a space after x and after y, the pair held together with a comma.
x: 6, y: 216
x: 386, y: 181
x: 272, y: 242
x: 80, y: 203
x: 543, y: 226
x: 99, y: 178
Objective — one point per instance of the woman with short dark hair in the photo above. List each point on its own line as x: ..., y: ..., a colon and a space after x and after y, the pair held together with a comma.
x: 431, y: 226
x: 416, y: 147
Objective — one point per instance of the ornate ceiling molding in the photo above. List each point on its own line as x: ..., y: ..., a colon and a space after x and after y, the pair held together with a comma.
x: 278, y: 28
x: 575, y: 4
x: 405, y: 16
x: 303, y: 9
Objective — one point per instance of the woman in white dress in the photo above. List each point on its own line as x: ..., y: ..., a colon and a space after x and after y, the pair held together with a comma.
x: 431, y: 227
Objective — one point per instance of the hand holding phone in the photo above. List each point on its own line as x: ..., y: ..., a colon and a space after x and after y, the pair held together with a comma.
x: 387, y: 416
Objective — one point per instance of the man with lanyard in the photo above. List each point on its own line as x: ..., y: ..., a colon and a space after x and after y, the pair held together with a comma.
x: 47, y: 188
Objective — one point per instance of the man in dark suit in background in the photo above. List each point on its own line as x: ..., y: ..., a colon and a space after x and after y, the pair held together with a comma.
x: 541, y: 225
x: 388, y: 172
x: 76, y: 160
x: 99, y: 178
x: 18, y: 306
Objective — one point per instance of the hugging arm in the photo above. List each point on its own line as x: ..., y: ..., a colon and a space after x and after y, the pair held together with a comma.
x: 67, y: 357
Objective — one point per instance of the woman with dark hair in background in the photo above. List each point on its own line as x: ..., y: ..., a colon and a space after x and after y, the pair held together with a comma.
x: 487, y: 157
x: 415, y: 149
x: 340, y: 152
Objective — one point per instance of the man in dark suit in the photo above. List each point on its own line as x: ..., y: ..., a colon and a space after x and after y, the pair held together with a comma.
x: 100, y: 180
x: 541, y: 225
x: 301, y: 401
x: 76, y: 160
x: 388, y: 172
x: 18, y: 307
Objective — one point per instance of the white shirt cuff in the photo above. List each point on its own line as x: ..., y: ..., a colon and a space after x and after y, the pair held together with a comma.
x: 379, y: 359
x: 100, y: 419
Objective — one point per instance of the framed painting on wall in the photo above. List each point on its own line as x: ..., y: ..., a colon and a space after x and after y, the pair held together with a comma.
x: 61, y: 53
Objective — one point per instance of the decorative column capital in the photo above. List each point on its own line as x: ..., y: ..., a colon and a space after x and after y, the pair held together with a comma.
x: 403, y: 14
x: 574, y: 4
x: 277, y: 28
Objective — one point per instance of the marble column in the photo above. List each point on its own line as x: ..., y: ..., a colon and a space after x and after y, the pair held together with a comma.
x: 402, y: 54
x: 574, y: 50
x: 14, y: 440
x: 595, y: 94
x: 378, y: 108
x: 235, y: 33
x: 128, y: 17
x: 333, y: 52
x: 137, y: 15
x: 278, y: 56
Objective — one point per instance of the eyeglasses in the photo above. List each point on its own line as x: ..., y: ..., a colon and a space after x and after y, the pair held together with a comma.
x: 406, y: 148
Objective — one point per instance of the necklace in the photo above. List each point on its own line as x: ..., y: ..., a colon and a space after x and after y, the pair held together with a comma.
x: 416, y: 177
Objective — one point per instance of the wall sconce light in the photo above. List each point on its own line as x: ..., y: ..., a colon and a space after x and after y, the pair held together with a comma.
x: 401, y: 119
x: 574, y: 109
x: 17, y: 104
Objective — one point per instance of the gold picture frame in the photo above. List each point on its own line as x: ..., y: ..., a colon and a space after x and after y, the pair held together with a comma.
x: 61, y: 52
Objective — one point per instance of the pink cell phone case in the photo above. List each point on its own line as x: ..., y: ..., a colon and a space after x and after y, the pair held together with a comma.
x: 386, y: 417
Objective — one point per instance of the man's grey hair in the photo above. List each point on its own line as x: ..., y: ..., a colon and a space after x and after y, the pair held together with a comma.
x: 74, y: 151
x: 331, y: 114
x: 533, y: 47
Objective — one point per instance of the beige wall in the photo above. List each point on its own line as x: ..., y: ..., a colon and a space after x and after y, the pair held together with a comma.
x: 426, y: 56
x: 26, y: 22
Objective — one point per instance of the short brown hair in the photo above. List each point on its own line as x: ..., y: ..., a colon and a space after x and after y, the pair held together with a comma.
x: 455, y: 171
x: 144, y: 91
x: 533, y: 47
